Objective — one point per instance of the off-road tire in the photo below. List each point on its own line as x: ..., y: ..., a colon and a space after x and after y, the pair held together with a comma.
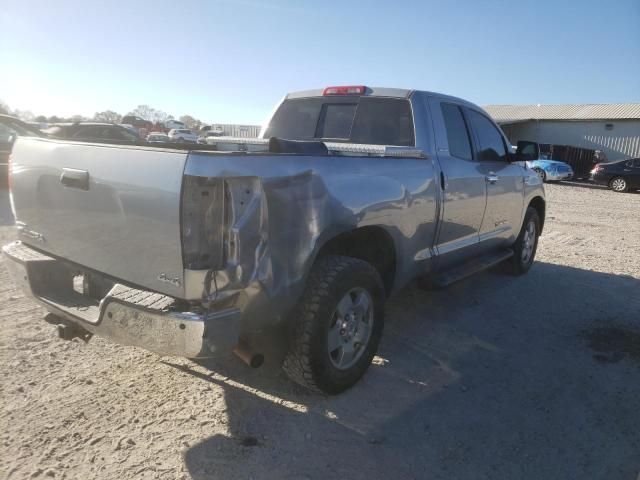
x: 516, y: 265
x: 307, y: 361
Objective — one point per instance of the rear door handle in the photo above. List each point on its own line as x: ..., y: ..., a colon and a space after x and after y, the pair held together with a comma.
x: 491, y: 178
x: 74, y: 178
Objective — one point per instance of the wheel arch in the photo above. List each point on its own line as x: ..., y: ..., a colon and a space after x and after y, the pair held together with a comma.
x: 373, y: 244
x: 539, y: 204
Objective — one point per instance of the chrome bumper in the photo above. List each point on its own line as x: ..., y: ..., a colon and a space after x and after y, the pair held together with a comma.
x: 126, y: 315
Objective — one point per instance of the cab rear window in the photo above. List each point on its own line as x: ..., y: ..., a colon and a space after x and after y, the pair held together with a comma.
x: 353, y: 119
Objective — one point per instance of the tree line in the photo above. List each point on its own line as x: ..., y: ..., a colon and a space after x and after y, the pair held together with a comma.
x: 143, y: 111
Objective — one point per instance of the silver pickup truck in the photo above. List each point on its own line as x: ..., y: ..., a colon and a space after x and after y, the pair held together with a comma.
x: 348, y: 195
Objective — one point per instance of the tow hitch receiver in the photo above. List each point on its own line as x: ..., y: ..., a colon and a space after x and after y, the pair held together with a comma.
x: 68, y: 331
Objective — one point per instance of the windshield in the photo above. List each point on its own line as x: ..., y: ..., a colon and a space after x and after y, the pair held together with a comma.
x: 353, y: 119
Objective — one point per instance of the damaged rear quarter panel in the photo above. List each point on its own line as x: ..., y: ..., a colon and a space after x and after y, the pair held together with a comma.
x: 283, y: 208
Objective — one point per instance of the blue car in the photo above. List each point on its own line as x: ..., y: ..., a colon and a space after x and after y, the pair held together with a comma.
x: 551, y: 170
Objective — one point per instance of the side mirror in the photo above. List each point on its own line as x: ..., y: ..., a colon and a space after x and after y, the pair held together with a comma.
x: 527, y: 151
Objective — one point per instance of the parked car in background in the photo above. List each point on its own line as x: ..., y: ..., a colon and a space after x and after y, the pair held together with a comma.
x: 174, y: 124
x: 10, y: 129
x: 551, y: 170
x: 212, y: 131
x: 137, y: 122
x: 94, y: 132
x: 183, y: 135
x: 203, y: 138
x: 619, y: 176
x: 158, y: 137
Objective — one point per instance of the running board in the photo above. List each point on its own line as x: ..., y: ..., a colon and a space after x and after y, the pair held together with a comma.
x: 471, y: 267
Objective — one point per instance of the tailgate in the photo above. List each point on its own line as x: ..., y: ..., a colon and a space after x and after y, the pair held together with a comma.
x: 110, y: 208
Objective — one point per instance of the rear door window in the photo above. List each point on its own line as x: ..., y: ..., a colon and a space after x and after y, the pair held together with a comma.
x: 457, y: 133
x: 492, y: 147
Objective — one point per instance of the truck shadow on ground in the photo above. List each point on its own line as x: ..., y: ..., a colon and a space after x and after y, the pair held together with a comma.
x: 491, y: 378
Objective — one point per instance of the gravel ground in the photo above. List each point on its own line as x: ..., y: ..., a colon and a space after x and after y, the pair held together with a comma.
x: 496, y: 377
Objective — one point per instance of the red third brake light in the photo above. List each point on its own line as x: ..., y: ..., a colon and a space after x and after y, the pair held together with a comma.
x: 348, y: 90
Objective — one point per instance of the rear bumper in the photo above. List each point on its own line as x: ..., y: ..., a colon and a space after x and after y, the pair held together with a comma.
x: 599, y: 179
x: 557, y: 176
x: 125, y: 315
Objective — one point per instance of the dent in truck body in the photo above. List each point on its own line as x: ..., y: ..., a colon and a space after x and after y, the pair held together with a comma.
x: 278, y: 223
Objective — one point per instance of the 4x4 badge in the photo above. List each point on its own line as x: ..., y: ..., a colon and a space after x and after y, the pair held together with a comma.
x: 175, y: 281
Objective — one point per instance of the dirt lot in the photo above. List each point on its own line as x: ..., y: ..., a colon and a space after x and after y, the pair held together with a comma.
x: 530, y: 378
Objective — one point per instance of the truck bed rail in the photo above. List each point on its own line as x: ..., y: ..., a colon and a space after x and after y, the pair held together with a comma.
x: 257, y: 145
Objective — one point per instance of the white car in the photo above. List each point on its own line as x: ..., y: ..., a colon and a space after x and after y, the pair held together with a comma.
x: 215, y: 132
x: 158, y: 137
x: 174, y: 124
x: 209, y: 135
x: 182, y: 135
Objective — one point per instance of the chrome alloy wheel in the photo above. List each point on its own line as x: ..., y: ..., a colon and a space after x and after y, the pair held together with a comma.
x: 528, y: 242
x: 350, y: 328
x: 619, y: 185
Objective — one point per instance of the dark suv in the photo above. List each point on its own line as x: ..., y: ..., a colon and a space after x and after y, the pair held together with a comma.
x: 95, y: 133
x: 137, y: 122
x: 619, y: 176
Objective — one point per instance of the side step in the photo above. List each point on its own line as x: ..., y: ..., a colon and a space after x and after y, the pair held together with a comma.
x: 470, y: 267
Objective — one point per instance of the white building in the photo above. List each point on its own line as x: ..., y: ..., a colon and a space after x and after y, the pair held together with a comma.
x: 613, y: 128
x: 242, y: 131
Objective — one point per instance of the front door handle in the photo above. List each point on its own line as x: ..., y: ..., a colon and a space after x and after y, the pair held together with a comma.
x: 492, y: 178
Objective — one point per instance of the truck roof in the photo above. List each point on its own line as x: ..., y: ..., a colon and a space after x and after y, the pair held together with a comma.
x: 371, y: 92
x: 381, y: 92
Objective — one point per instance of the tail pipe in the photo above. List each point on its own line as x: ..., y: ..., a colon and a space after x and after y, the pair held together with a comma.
x: 244, y: 353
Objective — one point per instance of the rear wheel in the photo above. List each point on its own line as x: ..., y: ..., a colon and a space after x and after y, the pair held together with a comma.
x: 618, y: 184
x: 336, y: 327
x: 526, y: 244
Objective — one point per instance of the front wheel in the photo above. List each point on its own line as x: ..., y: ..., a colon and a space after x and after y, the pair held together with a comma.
x: 336, y: 327
x: 542, y: 175
x: 619, y: 185
x: 524, y: 250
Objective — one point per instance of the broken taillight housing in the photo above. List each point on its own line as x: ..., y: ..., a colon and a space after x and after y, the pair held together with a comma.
x: 202, y: 222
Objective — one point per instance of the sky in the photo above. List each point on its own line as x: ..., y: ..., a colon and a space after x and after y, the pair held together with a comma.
x: 231, y: 61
